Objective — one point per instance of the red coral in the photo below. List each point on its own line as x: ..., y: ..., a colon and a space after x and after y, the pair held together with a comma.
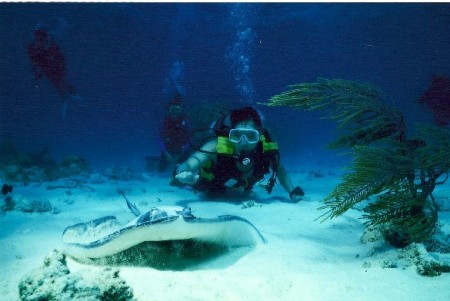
x: 437, y: 99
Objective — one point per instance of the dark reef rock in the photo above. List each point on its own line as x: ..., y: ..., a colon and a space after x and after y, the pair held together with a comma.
x: 6, y: 188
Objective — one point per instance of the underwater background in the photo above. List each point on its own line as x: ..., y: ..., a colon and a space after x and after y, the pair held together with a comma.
x: 127, y: 60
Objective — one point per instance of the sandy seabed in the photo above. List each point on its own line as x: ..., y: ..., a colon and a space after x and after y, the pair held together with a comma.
x: 303, y: 258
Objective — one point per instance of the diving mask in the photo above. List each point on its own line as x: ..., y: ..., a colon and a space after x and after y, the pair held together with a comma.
x: 236, y: 135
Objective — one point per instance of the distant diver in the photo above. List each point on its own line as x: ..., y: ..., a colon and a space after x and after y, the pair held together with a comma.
x: 437, y: 99
x: 48, y: 60
x: 174, y: 135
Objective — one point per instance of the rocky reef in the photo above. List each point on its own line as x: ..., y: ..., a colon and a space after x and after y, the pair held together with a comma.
x: 30, y: 167
x: 54, y: 281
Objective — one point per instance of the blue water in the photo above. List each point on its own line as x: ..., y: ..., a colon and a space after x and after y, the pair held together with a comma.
x: 126, y: 61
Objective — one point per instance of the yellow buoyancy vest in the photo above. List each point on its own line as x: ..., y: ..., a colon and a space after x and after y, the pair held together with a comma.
x: 225, y: 147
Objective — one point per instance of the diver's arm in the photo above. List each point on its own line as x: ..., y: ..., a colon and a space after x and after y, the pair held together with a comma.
x: 285, y: 179
x: 295, y: 193
x: 188, y: 171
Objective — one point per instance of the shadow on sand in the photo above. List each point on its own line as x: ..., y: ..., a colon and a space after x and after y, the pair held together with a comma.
x: 175, y: 255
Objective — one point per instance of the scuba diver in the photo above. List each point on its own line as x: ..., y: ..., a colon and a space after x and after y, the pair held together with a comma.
x: 48, y: 60
x: 237, y: 158
x: 174, y: 135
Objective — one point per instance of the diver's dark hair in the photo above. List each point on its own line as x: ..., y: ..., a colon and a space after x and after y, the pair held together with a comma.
x: 243, y: 114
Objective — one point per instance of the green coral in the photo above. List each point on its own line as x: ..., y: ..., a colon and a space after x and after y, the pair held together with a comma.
x: 397, y: 174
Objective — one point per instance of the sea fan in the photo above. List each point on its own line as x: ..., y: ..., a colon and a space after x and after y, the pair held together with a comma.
x: 354, y: 105
x: 397, y: 174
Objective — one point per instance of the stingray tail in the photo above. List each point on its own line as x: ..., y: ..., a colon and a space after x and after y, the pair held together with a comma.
x: 131, y: 206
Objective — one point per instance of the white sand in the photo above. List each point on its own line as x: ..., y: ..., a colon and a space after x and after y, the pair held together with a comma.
x: 302, y: 260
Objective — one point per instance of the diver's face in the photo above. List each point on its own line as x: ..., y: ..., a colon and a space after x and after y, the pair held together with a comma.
x: 244, y: 144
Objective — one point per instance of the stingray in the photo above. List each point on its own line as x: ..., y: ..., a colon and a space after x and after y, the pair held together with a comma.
x: 106, y: 236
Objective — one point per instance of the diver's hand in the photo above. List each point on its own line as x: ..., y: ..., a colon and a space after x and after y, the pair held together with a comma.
x: 297, y: 194
x: 187, y: 177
